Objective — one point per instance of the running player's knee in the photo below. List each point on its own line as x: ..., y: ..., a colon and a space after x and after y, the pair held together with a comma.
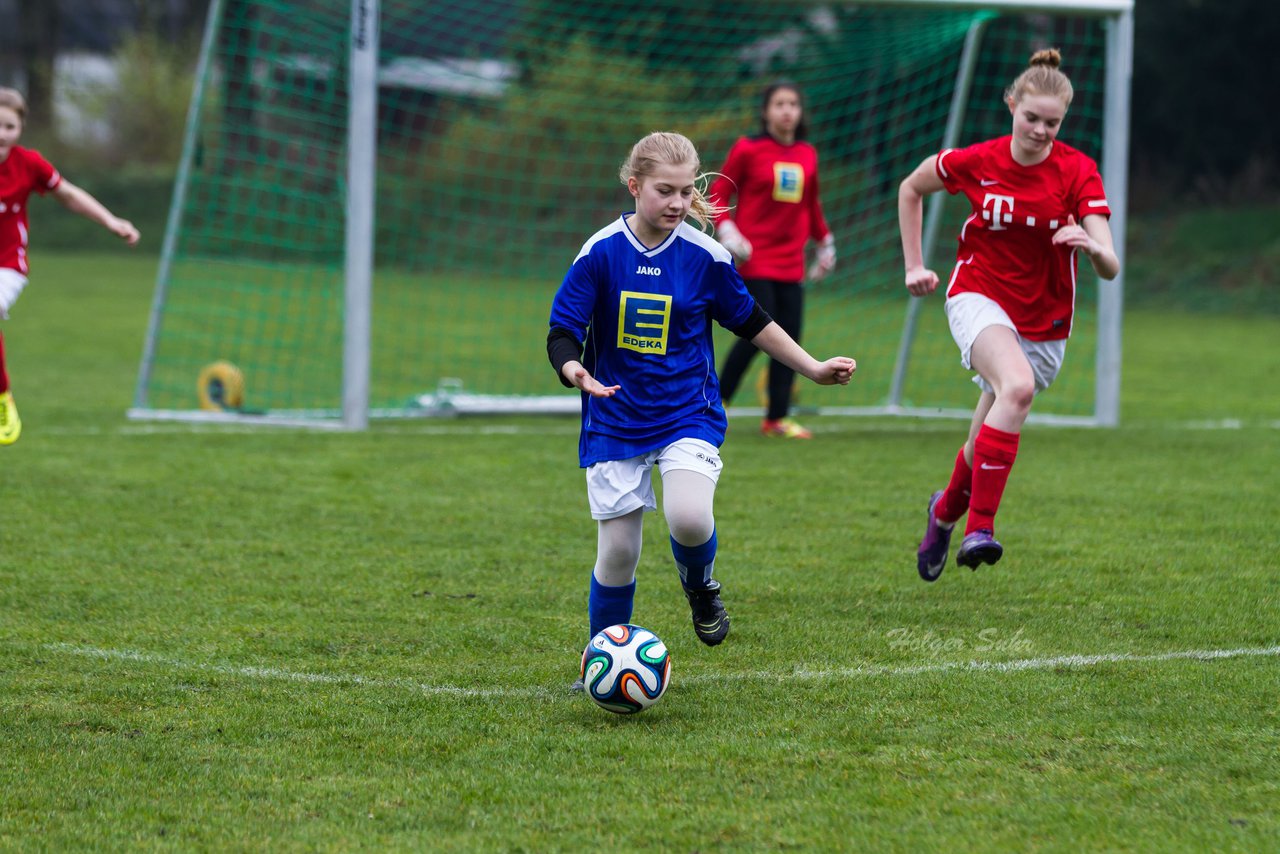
x: 619, y: 557
x: 692, y: 532
x: 618, y: 547
x: 690, y: 524
x: 1020, y: 393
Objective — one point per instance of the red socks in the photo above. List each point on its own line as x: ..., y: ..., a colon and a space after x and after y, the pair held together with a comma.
x: 4, y: 375
x: 993, y: 454
x: 955, y: 500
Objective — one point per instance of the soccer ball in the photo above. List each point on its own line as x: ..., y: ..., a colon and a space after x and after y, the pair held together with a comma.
x: 625, y: 669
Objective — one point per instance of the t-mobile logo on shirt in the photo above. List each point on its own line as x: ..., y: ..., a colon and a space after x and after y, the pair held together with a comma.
x: 997, y: 210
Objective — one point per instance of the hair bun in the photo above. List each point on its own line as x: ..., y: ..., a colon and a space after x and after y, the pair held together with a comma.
x: 1049, y: 56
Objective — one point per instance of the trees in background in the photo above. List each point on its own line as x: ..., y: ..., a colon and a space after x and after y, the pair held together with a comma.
x: 1204, y: 95
x: 1202, y: 80
x: 37, y: 46
x: 40, y: 29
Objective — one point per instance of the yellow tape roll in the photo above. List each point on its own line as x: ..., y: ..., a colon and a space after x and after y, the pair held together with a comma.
x: 220, y: 387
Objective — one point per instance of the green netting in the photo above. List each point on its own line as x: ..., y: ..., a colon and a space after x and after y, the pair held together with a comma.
x: 501, y: 125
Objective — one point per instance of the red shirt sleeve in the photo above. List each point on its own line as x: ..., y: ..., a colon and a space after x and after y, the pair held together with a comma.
x: 732, y: 174
x: 43, y: 176
x: 1090, y: 196
x: 955, y: 166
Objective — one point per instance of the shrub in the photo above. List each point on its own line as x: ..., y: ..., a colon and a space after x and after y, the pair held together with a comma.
x: 145, y: 107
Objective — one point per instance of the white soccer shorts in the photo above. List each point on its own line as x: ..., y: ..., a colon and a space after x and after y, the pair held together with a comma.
x: 618, y: 487
x: 11, y: 284
x: 969, y: 314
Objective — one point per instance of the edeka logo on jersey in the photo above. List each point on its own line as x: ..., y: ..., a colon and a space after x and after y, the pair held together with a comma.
x: 643, y: 320
x: 788, y: 182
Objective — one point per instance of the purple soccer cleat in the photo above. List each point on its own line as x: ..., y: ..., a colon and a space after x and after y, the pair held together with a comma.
x: 931, y: 557
x: 978, y: 548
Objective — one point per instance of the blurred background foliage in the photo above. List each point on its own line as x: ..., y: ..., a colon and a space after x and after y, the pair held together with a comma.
x: 1205, y: 134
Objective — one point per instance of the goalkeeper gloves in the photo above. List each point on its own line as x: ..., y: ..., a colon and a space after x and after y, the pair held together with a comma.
x: 730, y: 238
x: 825, y: 259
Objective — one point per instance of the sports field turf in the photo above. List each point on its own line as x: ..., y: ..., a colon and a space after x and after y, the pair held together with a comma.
x: 230, y: 639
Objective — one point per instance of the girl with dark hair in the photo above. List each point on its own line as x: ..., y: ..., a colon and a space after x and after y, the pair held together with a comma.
x: 774, y: 177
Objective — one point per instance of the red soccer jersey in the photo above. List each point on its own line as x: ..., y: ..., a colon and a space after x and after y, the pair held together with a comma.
x: 777, y: 204
x: 21, y: 172
x: 1006, y: 250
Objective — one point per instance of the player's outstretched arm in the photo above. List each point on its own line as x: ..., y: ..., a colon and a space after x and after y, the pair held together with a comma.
x: 578, y: 376
x: 79, y: 201
x: 774, y: 340
x: 920, y: 280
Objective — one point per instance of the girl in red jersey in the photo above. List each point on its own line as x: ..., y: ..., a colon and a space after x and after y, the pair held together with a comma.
x: 21, y: 171
x: 775, y: 177
x: 1036, y: 203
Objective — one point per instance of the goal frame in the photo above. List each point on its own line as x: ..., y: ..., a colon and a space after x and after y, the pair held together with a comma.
x: 360, y: 214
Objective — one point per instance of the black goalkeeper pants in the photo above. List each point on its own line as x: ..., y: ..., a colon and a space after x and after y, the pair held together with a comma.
x: 784, y: 301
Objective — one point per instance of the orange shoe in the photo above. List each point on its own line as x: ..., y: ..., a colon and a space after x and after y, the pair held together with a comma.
x: 784, y: 428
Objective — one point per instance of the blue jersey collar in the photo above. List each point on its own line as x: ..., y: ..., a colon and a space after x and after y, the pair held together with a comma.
x: 640, y: 247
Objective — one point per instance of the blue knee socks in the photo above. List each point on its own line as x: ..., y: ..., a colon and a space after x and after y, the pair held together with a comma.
x: 695, y: 563
x: 609, y: 606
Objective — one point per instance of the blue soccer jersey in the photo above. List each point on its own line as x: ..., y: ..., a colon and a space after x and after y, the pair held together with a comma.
x: 645, y: 315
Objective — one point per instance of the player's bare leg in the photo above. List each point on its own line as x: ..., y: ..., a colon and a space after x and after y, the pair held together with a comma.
x: 996, y: 355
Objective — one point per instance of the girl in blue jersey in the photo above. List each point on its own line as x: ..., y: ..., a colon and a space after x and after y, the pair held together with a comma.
x: 631, y: 329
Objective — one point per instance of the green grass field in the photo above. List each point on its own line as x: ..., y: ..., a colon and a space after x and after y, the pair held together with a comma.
x: 235, y: 639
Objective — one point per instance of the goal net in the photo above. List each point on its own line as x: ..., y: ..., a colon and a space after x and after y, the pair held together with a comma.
x: 420, y: 282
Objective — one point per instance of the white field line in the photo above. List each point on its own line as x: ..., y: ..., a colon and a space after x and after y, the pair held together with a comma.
x: 172, y: 429
x: 1012, y: 666
x: 1227, y: 424
x: 560, y: 427
x: 279, y: 674
x: 838, y: 674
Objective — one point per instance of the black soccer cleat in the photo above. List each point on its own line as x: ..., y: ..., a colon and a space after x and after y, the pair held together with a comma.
x: 710, y: 622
